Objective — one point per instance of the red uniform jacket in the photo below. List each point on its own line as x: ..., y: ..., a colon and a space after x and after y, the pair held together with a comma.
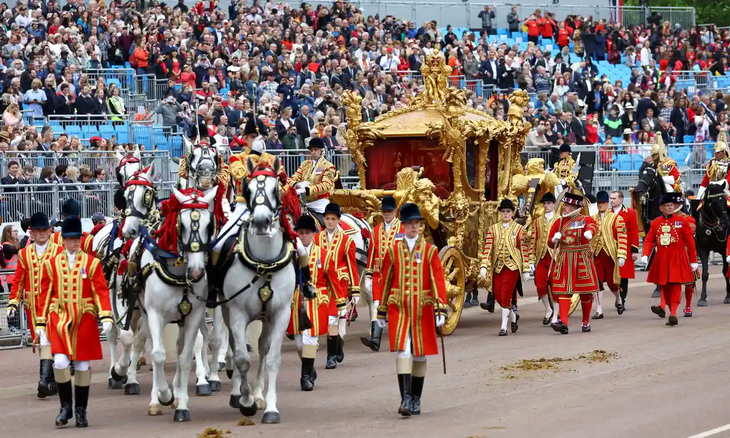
x: 330, y: 294
x: 73, y: 297
x: 671, y: 263
x: 382, y: 240
x: 573, y: 269
x: 27, y: 280
x: 414, y: 288
x: 632, y: 236
x: 87, y: 241
x: 342, y: 251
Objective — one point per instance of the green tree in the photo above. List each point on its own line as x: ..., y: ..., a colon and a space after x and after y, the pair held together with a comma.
x: 706, y: 11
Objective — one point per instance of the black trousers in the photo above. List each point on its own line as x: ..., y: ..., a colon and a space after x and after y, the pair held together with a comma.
x: 624, y: 288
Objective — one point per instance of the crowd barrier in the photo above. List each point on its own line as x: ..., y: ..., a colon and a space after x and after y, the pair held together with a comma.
x: 13, y: 331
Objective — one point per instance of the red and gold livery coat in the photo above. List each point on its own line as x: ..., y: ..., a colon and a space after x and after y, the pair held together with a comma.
x: 383, y: 238
x: 73, y: 297
x: 28, y: 274
x: 239, y: 172
x: 321, y: 176
x: 330, y: 294
x: 573, y: 269
x: 413, y: 289
x: 517, y: 245
x: 611, y: 239
x: 342, y: 250
x: 675, y: 250
x: 87, y: 241
x: 632, y: 240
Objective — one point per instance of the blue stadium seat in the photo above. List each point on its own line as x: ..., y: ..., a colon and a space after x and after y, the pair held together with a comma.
x: 122, y: 134
x: 502, y: 31
x: 115, y: 81
x: 689, y: 138
x: 616, y: 140
x: 73, y: 130
x: 176, y: 145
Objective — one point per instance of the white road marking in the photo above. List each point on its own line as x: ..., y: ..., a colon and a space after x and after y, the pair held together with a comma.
x: 712, y: 432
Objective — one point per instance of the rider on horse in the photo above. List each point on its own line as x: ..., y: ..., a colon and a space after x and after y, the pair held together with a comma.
x: 315, y: 179
x: 564, y: 168
x: 717, y: 169
x: 666, y: 167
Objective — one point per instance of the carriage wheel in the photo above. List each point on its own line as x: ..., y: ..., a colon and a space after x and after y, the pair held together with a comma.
x: 574, y: 302
x: 455, y: 276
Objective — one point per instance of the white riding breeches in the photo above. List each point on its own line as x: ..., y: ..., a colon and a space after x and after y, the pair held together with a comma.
x: 407, y: 352
x: 61, y: 362
x: 306, y: 339
x: 318, y: 205
x: 44, y: 342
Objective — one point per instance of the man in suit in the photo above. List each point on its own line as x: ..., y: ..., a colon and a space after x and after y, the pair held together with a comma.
x: 578, y: 127
x: 350, y: 75
x: 645, y: 104
x: 304, y: 123
x: 488, y: 69
x: 654, y: 123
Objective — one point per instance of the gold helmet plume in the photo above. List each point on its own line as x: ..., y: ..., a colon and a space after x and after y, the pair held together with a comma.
x: 659, y: 150
x: 721, y: 143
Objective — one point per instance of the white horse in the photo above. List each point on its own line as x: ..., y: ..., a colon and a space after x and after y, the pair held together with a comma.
x: 173, y: 292
x: 260, y: 279
x: 129, y: 164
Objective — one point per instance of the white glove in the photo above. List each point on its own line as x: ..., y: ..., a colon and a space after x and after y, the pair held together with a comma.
x: 343, y: 313
x: 532, y: 269
x: 40, y: 332
x: 525, y: 276
x: 621, y: 262
x: 668, y: 179
x: 106, y: 327
x: 367, y: 284
x: 483, y: 272
x: 440, y: 321
x: 381, y: 323
x: 11, y: 312
x: 303, y: 184
x: 694, y: 266
x: 376, y: 304
x: 728, y: 259
x: 355, y: 299
x: 700, y: 192
x: 259, y: 144
x: 588, y: 235
x: 645, y: 259
x: 557, y: 237
x: 562, y: 182
x: 301, y: 191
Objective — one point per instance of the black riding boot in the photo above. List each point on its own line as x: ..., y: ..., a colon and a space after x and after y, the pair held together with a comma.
x: 307, y: 380
x: 65, y: 394
x: 416, y: 390
x: 82, y: 400
x: 404, y: 384
x: 624, y: 289
x: 373, y: 342
x: 72, y: 368
x: 340, y: 349
x: 332, y: 349
x: 46, y: 384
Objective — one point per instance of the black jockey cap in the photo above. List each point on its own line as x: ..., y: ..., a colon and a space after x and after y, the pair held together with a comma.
x: 71, y: 207
x: 506, y: 204
x: 591, y: 198
x: 388, y: 203
x: 602, y: 196
x: 71, y: 227
x: 305, y: 222
x: 565, y: 148
x: 573, y: 199
x: 315, y: 142
x: 255, y: 126
x: 333, y: 208
x: 409, y: 212
x: 670, y: 198
x: 39, y: 221
x: 548, y: 197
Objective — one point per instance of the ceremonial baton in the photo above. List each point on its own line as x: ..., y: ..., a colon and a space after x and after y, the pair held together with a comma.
x: 443, y: 348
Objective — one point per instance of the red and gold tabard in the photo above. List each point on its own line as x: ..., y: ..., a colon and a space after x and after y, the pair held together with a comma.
x: 675, y: 250
x: 413, y: 289
x: 73, y: 298
x: 505, y: 248
x: 341, y: 249
x: 573, y: 269
x: 608, y: 245
x: 668, y: 167
x: 87, y: 241
x: 632, y: 240
x: 27, y: 280
x: 383, y: 238
x: 540, y: 252
x: 321, y: 176
x: 330, y: 294
x: 239, y: 172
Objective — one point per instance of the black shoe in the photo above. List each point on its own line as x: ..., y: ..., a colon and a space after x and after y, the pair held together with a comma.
x: 307, y: 380
x: 353, y: 314
x: 658, y: 311
x: 586, y: 328
x: 373, y: 342
x: 404, y: 383
x: 468, y: 300
x: 560, y: 327
x: 547, y: 319
x: 65, y: 394
x: 672, y: 320
x: 514, y: 326
x: 332, y: 345
x: 416, y: 390
x: 597, y: 315
x: 502, y: 332
x: 81, y: 420
x: 620, y: 308
x: 46, y: 384
x: 341, y: 348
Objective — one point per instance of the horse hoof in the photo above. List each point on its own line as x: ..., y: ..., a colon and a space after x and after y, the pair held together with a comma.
x: 154, y: 410
x: 203, y: 390
x: 114, y: 384
x: 727, y: 300
x: 182, y: 415
x: 116, y: 376
x: 702, y: 303
x: 271, y: 418
x: 656, y: 294
x: 166, y: 403
x: 142, y: 361
x: 229, y: 373
x: 221, y: 366
x: 215, y: 385
x: 131, y: 389
x: 247, y: 411
x: 261, y: 404
x: 234, y: 401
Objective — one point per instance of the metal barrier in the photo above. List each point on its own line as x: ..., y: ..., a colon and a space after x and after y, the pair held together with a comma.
x: 13, y: 331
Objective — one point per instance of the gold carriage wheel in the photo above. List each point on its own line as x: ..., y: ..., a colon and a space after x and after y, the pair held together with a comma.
x: 455, y: 275
x: 574, y: 302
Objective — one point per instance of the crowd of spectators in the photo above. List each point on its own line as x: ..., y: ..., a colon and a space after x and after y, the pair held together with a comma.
x: 289, y: 64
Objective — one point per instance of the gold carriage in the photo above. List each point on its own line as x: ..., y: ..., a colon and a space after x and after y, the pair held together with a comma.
x: 454, y: 162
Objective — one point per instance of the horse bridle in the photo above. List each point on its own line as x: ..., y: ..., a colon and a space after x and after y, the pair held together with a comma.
x: 129, y: 159
x: 148, y: 200
x: 195, y: 243
x: 259, y: 197
x: 207, y: 153
x: 716, y: 225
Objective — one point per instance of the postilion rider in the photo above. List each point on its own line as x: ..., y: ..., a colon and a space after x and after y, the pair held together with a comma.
x: 385, y: 235
x: 315, y: 179
x: 506, y: 255
x: 413, y: 299
x: 27, y: 286
x: 74, y: 294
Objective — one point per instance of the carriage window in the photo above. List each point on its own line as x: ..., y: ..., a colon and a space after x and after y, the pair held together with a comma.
x: 387, y: 157
x: 471, y: 162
